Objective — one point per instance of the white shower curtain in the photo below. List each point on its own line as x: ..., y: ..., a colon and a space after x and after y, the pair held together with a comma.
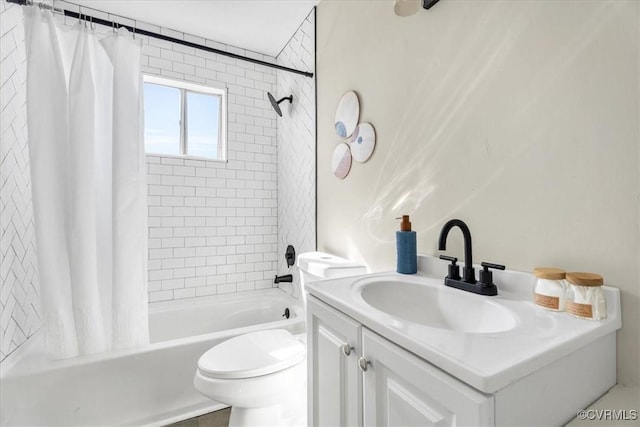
x: 88, y: 185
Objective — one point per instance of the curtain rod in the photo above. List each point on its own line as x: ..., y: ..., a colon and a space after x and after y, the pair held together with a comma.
x: 154, y: 35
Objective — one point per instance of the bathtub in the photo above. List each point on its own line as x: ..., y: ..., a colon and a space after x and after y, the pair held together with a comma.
x: 147, y: 386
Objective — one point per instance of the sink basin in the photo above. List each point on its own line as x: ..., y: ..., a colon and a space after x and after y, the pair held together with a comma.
x: 436, y: 306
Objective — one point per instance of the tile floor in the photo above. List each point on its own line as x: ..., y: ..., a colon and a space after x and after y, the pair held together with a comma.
x: 213, y: 419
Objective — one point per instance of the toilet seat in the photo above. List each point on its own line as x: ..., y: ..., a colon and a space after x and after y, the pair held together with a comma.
x: 253, y: 354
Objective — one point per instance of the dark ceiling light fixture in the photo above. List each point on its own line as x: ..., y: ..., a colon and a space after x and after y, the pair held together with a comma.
x: 409, y: 7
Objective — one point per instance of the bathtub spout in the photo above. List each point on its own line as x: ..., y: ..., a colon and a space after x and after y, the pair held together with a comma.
x: 284, y: 278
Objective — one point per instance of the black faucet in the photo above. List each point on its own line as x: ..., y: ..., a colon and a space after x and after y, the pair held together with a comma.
x: 468, y: 273
x: 283, y: 278
x: 468, y: 282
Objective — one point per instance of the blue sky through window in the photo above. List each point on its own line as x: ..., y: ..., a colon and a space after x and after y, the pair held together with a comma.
x: 202, y: 124
x: 162, y: 117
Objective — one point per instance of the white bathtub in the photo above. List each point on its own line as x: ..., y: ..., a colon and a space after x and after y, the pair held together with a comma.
x: 152, y: 385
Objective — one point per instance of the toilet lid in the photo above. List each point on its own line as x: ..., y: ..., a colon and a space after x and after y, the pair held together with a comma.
x: 253, y: 354
x: 327, y: 266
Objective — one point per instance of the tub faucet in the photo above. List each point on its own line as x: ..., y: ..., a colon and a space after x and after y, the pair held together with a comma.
x: 468, y: 281
x: 284, y: 278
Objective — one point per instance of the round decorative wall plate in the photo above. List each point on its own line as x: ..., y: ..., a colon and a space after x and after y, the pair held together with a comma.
x: 347, y: 114
x: 362, y: 142
x: 341, y: 161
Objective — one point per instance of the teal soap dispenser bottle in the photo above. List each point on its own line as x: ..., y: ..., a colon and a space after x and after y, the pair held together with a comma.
x: 407, y: 262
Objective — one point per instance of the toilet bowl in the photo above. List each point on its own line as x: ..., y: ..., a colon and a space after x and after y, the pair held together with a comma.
x: 262, y: 375
x: 258, y: 374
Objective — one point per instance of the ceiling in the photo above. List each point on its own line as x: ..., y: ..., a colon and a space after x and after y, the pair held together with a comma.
x: 263, y: 26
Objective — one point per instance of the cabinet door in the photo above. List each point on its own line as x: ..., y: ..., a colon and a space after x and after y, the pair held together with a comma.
x: 401, y: 389
x: 334, y: 380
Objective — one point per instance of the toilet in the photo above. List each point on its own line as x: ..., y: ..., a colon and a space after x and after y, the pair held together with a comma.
x: 262, y: 374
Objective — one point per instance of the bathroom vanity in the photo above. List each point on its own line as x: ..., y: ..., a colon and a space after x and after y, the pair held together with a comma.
x: 389, y: 349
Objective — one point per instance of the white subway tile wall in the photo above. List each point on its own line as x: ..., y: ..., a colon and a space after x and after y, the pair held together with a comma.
x: 297, y: 152
x: 19, y: 287
x: 213, y: 226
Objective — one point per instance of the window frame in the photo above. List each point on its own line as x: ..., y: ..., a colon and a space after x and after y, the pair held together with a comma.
x: 184, y: 88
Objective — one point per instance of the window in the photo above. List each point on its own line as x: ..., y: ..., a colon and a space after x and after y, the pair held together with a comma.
x: 184, y: 119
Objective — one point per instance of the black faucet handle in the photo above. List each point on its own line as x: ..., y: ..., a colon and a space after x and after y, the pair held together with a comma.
x: 488, y: 265
x: 486, y: 277
x: 454, y: 270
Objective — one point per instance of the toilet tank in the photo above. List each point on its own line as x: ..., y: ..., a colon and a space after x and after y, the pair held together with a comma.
x: 315, y: 266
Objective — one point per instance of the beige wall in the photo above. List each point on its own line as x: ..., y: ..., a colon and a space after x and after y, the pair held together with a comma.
x: 519, y: 117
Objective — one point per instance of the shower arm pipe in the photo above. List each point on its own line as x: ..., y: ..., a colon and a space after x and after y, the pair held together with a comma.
x: 135, y: 30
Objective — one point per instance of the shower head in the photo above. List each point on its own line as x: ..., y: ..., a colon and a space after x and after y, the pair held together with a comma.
x: 275, y: 103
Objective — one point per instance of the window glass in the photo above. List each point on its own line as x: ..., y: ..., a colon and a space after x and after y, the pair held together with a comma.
x: 184, y: 119
x: 203, y: 118
x: 161, y: 119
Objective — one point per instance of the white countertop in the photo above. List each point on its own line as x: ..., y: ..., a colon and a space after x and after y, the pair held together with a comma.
x: 486, y: 361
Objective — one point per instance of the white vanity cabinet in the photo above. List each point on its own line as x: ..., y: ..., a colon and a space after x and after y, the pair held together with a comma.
x: 378, y: 383
x: 334, y: 380
x: 401, y: 389
x: 430, y: 355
